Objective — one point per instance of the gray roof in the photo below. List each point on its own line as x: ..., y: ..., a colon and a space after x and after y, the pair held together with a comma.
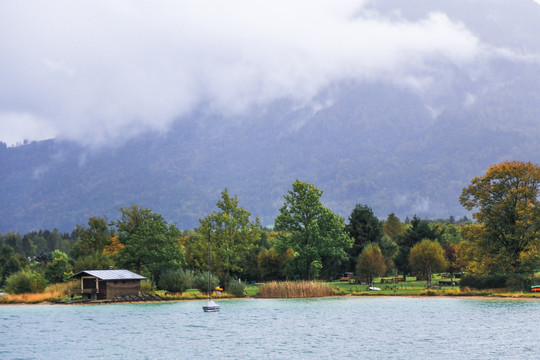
x: 111, y: 274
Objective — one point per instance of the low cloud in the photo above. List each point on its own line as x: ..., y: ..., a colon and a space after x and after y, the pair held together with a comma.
x: 98, y: 71
x: 18, y: 127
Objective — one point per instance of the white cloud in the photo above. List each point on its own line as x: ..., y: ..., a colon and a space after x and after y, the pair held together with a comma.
x: 94, y: 71
x: 18, y: 127
x: 470, y: 99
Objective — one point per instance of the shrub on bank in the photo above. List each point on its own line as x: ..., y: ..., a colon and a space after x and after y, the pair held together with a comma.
x: 200, y: 282
x: 512, y: 282
x: 492, y: 281
x: 518, y: 282
x: 176, y: 280
x: 147, y: 287
x: 236, y: 288
x: 25, y: 281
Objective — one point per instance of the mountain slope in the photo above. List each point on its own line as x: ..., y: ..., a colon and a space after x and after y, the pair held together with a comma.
x: 376, y: 145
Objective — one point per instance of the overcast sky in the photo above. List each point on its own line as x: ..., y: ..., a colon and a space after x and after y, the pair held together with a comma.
x: 94, y: 71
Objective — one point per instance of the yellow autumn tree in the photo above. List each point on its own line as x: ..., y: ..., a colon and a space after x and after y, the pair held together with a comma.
x: 371, y: 263
x: 506, y: 200
x: 113, y: 247
x: 427, y: 257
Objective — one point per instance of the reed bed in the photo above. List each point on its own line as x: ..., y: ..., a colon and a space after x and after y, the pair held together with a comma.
x: 295, y: 289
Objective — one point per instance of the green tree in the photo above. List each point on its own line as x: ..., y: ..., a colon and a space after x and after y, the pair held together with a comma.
x: 10, y: 262
x: 95, y: 261
x: 389, y: 249
x: 371, y: 263
x: 272, y: 265
x: 148, y: 242
x: 54, y: 240
x: 419, y: 229
x: 427, y: 257
x: 364, y: 228
x: 251, y: 268
x: 507, y: 204
x: 470, y: 256
x: 311, y: 230
x: 40, y: 243
x: 446, y: 233
x: 14, y: 241
x: 132, y: 218
x: 28, y: 247
x: 59, y: 269
x: 393, y: 227
x: 231, y: 235
x: 196, y: 251
x: 91, y: 240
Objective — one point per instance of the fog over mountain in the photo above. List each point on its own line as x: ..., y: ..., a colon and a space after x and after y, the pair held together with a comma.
x: 375, y: 102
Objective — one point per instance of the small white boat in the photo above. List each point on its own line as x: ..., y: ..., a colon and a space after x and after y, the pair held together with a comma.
x: 373, y: 288
x: 211, y: 306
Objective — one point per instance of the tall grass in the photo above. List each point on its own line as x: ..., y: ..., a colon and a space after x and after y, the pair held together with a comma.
x: 52, y: 292
x: 295, y: 289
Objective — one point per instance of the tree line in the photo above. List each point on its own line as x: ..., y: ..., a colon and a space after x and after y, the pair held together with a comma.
x: 307, y: 241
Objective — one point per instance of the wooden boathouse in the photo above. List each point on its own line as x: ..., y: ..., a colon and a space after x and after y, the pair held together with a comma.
x: 109, y: 284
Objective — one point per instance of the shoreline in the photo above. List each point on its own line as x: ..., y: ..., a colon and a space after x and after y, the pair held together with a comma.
x: 436, y: 296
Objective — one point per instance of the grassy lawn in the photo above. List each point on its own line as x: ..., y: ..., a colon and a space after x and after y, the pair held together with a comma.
x: 410, y: 287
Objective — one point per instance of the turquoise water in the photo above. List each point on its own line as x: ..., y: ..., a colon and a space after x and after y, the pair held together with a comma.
x: 333, y: 328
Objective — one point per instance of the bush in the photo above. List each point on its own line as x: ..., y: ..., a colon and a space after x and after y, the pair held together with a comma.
x: 176, y: 280
x: 236, y: 288
x: 146, y: 286
x: 25, y: 281
x: 513, y: 282
x: 200, y: 282
x: 518, y: 282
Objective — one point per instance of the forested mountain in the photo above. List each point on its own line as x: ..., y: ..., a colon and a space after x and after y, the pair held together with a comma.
x: 375, y: 145
x: 397, y: 147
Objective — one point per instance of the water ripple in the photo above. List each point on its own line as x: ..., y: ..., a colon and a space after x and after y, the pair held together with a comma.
x: 337, y: 328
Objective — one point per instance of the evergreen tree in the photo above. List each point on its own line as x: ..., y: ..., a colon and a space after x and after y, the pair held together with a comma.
x: 416, y: 232
x: 364, y: 228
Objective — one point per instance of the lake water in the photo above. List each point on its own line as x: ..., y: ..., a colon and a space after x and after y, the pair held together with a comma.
x: 329, y: 328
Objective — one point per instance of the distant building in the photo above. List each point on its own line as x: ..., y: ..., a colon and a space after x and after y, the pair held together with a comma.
x: 107, y: 284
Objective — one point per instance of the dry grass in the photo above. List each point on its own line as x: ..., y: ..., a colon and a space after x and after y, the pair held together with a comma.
x: 32, y: 298
x: 295, y: 289
x: 51, y: 293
